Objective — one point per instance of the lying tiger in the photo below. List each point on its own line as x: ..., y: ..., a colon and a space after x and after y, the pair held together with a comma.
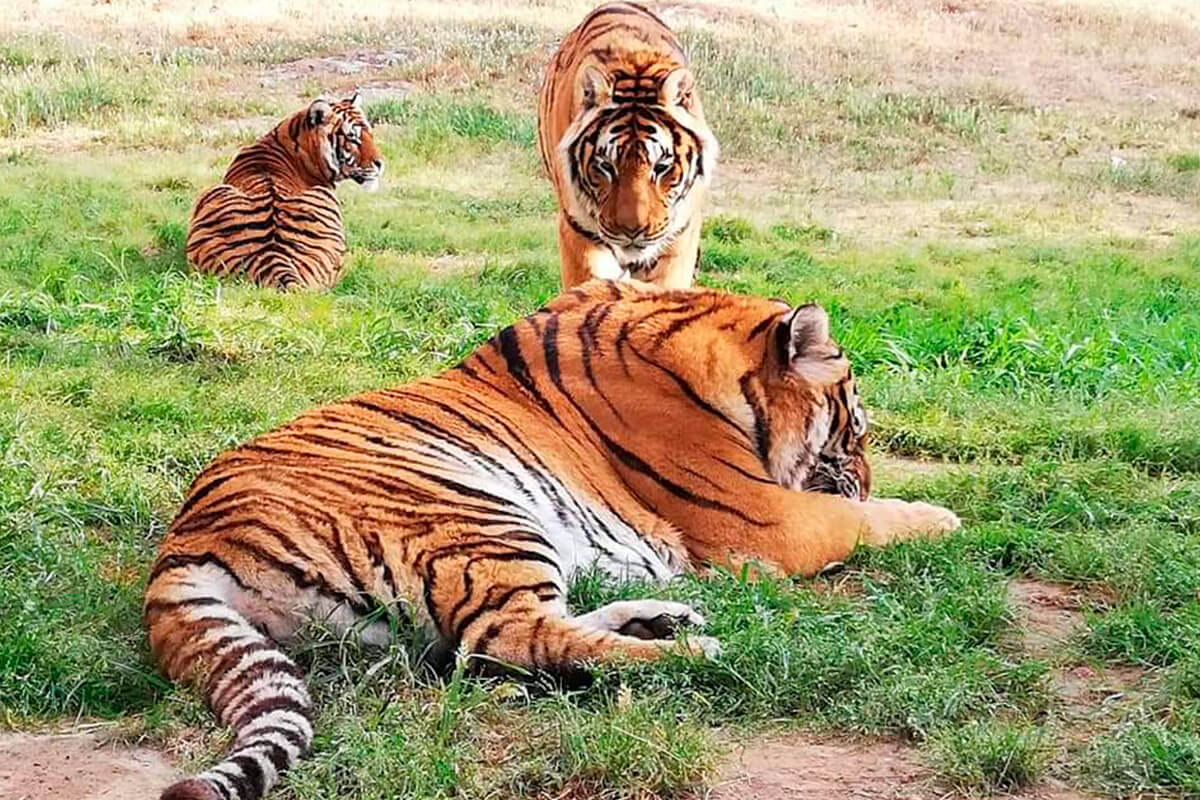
x: 647, y: 432
x: 275, y: 218
x: 623, y: 138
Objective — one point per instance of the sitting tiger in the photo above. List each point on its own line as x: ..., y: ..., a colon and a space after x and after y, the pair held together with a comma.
x: 623, y: 138
x: 642, y: 431
x: 275, y: 218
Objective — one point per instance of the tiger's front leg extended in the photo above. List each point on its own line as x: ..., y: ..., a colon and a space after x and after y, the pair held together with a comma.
x: 800, y: 533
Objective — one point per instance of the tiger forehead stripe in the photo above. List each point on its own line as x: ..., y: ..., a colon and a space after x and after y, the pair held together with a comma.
x: 636, y: 88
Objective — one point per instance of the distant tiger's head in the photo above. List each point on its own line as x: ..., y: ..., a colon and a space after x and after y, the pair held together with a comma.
x: 633, y: 156
x: 335, y: 138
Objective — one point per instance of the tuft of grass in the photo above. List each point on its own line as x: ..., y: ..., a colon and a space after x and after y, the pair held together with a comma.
x: 1184, y: 679
x: 1174, y: 178
x: 432, y: 125
x: 989, y: 756
x: 811, y: 233
x: 1146, y: 633
x: 86, y: 91
x: 1148, y: 758
x: 628, y: 748
x: 892, y: 109
x: 902, y: 656
x: 725, y: 229
x: 1184, y: 162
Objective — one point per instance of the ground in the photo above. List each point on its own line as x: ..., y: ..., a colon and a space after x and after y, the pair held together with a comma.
x: 996, y: 201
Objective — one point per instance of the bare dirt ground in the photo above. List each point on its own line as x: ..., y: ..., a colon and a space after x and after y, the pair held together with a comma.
x: 800, y: 767
x: 78, y: 766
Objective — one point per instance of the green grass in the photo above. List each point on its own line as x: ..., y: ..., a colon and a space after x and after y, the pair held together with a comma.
x: 990, y: 758
x: 1055, y: 375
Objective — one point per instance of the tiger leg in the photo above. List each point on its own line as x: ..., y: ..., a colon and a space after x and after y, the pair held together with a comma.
x: 529, y: 633
x: 808, y: 531
x: 645, y: 619
x: 513, y: 610
x: 198, y: 634
x: 582, y: 258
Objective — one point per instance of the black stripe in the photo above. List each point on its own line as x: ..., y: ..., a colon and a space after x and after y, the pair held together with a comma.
x: 760, y: 327
x: 241, y: 785
x: 762, y: 432
x: 267, y: 705
x: 294, y: 736
x: 175, y: 605
x: 176, y: 561
x: 253, y: 772
x: 510, y: 348
x: 495, y: 605
x: 199, y: 494
x: 590, y: 235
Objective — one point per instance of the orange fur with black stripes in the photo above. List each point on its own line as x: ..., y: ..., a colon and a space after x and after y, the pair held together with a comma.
x: 275, y: 218
x: 641, y: 431
x: 623, y: 138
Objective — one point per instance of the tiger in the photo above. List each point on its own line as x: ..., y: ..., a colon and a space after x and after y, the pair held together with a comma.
x: 639, y: 431
x: 623, y: 139
x: 275, y: 216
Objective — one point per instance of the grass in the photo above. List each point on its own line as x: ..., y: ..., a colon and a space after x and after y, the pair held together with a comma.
x: 990, y: 758
x: 961, y: 233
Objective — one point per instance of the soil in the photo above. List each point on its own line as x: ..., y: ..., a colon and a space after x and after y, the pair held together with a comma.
x: 1048, y: 613
x: 906, y: 467
x: 800, y: 768
x: 78, y: 766
x: 350, y: 63
x: 803, y: 767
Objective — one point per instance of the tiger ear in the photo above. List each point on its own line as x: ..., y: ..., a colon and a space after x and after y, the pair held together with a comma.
x: 356, y: 100
x: 594, y: 89
x: 318, y: 112
x: 678, y: 89
x: 804, y: 345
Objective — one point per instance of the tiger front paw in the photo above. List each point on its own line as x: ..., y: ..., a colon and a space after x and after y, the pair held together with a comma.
x: 892, y: 520
x: 702, y: 646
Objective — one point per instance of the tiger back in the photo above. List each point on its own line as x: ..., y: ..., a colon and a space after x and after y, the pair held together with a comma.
x: 275, y: 217
x: 623, y: 138
x: 635, y: 430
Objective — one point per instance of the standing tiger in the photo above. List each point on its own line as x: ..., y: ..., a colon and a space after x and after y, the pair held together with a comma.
x: 275, y: 217
x: 639, y: 430
x: 623, y: 138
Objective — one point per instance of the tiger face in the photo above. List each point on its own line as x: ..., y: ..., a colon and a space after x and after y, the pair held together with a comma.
x: 341, y: 133
x: 818, y: 427
x: 842, y: 467
x: 633, y: 157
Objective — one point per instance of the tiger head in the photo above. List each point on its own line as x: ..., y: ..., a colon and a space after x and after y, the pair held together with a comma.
x: 768, y: 370
x: 338, y: 137
x: 634, y: 155
x: 818, y: 427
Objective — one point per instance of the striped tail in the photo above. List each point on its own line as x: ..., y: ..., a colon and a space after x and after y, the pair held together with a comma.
x: 251, y: 685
